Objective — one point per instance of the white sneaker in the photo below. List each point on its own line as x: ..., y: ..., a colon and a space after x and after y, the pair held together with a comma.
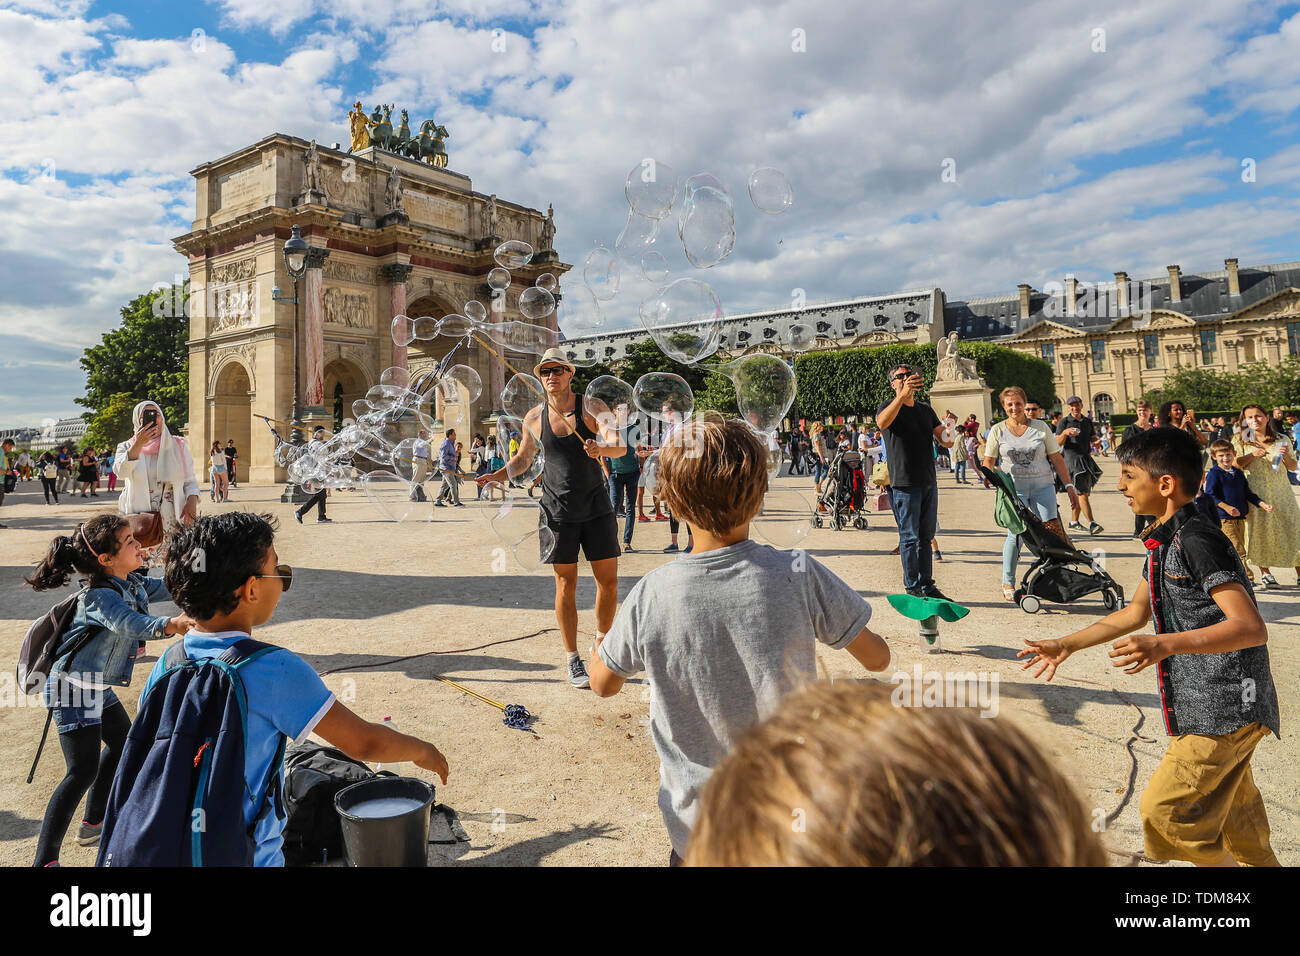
x: 1269, y: 582
x: 578, y: 673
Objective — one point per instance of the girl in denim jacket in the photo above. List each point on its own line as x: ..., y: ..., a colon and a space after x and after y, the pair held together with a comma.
x: 114, y: 609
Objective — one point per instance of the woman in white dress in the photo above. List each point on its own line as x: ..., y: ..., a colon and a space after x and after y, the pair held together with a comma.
x: 157, y: 470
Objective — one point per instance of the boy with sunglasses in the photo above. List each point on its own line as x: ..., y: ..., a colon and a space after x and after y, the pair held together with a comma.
x: 227, y: 576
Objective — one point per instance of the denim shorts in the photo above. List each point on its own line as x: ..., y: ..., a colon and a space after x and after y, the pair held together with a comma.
x: 76, y: 707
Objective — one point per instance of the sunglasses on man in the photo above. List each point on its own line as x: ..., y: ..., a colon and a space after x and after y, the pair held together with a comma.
x: 283, y: 572
x: 904, y: 374
x: 551, y: 370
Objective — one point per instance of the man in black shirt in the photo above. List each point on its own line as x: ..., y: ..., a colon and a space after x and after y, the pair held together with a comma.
x: 909, y: 429
x: 1078, y: 432
x: 232, y: 455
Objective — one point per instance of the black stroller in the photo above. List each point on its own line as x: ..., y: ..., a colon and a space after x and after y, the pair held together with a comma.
x: 1062, y: 573
x: 844, y: 493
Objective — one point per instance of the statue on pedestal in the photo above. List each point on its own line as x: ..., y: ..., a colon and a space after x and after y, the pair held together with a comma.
x: 360, y: 126
x: 313, y: 183
x: 491, y: 224
x: 952, y: 367
x: 393, y: 191
x: 548, y: 229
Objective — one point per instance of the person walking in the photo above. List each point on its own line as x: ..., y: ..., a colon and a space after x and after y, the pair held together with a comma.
x: 822, y: 467
x: 317, y: 499
x: 24, y: 466
x: 47, y: 469
x: 64, y: 461
x: 575, y: 432
x: 88, y: 473
x: 1032, y: 457
x: 420, y: 463
x: 217, y: 459
x: 447, y: 459
x: 910, y: 428
x: 960, y: 456
x: 1145, y: 422
x: 6, y: 447
x: 1078, y: 432
x: 1265, y: 455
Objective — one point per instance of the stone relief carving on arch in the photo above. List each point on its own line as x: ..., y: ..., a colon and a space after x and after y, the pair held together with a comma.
x: 242, y: 355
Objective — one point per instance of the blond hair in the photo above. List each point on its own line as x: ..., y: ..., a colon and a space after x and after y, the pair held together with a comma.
x: 1012, y: 390
x: 816, y: 428
x: 841, y: 776
x: 713, y: 473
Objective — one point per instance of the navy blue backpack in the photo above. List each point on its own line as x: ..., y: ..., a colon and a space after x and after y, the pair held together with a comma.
x: 178, y: 796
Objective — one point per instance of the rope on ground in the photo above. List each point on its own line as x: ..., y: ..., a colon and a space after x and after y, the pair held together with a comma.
x: 516, y: 717
x: 1133, y: 737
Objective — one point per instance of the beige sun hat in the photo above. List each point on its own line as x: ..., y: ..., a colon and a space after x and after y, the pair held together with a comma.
x: 553, y: 356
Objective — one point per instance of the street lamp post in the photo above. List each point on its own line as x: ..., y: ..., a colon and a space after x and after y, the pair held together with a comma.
x: 295, y: 263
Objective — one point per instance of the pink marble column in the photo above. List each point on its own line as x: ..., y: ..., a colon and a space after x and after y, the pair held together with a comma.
x: 397, y: 273
x: 313, y: 330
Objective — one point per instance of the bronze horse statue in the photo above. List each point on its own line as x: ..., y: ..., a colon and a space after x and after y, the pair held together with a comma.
x: 402, y: 137
x: 428, y: 146
x: 381, y: 134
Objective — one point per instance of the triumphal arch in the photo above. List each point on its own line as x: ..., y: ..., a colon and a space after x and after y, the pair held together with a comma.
x: 393, y: 232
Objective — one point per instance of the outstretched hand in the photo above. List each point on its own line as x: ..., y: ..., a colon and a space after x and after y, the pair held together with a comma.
x: 1048, y: 655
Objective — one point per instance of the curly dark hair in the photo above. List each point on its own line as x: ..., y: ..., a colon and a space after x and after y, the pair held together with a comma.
x: 213, y: 557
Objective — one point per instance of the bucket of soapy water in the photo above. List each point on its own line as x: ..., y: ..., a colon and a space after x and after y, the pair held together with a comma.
x: 385, y: 821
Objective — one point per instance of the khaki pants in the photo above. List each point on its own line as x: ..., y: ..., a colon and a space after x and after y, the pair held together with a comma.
x: 1202, y: 800
x: 1235, y: 529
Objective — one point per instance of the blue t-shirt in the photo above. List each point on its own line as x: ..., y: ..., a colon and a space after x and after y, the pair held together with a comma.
x: 285, y: 696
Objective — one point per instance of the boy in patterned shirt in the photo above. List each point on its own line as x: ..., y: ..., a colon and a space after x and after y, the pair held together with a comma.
x: 1209, y: 649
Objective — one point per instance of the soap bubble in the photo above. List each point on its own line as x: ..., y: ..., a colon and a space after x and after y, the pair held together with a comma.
x: 684, y: 318
x: 475, y: 310
x: 651, y: 189
x: 521, y: 395
x: 703, y: 180
x: 395, y: 376
x: 770, y: 191
x: 601, y: 273
x: 655, y: 267
x: 403, y: 331
x: 520, y: 524
x: 425, y: 328
x: 579, y: 310
x: 520, y: 336
x: 615, y: 393
x: 638, y: 234
x: 547, y: 281
x: 362, y: 407
x: 535, y: 303
x: 522, y: 472
x: 707, y: 227
x: 404, y: 460
x: 456, y: 325
x: 514, y: 254
x: 800, y: 337
x: 467, y: 378
x: 498, y: 279
x: 535, y: 548
x: 785, y: 518
x: 765, y: 389
x: 383, y: 396
x: 390, y: 494
x: 664, y: 397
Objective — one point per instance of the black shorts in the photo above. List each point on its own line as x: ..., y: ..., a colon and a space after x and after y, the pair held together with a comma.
x: 598, y: 538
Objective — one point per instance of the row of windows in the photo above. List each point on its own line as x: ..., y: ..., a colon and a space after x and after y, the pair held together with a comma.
x: 1151, y: 348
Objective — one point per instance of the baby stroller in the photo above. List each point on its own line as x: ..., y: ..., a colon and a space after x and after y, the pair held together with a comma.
x: 1062, y: 573
x: 843, y: 493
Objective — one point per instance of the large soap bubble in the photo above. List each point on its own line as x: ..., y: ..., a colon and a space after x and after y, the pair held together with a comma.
x: 651, y: 189
x: 614, y: 392
x: 521, y: 395
x: 514, y: 254
x: 406, y: 465
x: 707, y: 227
x: 655, y: 267
x: 425, y: 328
x: 770, y: 191
x: 800, y: 337
x: 703, y: 180
x: 512, y: 426
x: 579, y: 310
x: 457, y: 325
x: 601, y: 273
x: 664, y: 397
x: 403, y: 330
x: 498, y: 279
x: 475, y: 310
x: 638, y: 234
x: 765, y: 389
x: 685, y: 319
x: 536, y: 303
x: 520, y: 336
x: 520, y: 524
x: 547, y: 281
x: 466, y: 378
x: 786, y: 517
x: 390, y: 494
x: 395, y: 376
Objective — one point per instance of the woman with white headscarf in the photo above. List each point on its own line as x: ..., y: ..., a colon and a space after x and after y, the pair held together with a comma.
x: 157, y: 470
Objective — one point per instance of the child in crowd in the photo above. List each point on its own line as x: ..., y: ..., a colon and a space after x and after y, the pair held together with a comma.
x: 232, y: 591
x: 1209, y: 645
x: 842, y: 776
x: 725, y: 632
x: 1226, y: 486
x: 96, y: 653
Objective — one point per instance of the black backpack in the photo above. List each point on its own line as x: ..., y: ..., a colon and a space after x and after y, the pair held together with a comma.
x: 39, y: 650
x: 313, y: 774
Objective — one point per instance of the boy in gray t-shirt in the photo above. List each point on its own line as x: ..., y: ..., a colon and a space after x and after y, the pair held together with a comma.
x: 725, y: 632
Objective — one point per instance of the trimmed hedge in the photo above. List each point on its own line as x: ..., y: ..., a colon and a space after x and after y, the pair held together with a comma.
x: 854, y: 382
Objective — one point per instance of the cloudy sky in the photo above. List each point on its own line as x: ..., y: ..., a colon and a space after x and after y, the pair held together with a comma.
x: 1085, y: 137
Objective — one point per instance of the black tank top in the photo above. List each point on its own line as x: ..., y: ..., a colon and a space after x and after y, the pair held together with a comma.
x: 573, y: 484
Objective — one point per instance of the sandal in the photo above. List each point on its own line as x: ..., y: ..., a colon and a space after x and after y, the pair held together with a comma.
x: 1009, y: 593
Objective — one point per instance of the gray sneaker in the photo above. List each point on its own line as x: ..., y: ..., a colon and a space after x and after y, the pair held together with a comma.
x: 88, y: 834
x: 578, y: 673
